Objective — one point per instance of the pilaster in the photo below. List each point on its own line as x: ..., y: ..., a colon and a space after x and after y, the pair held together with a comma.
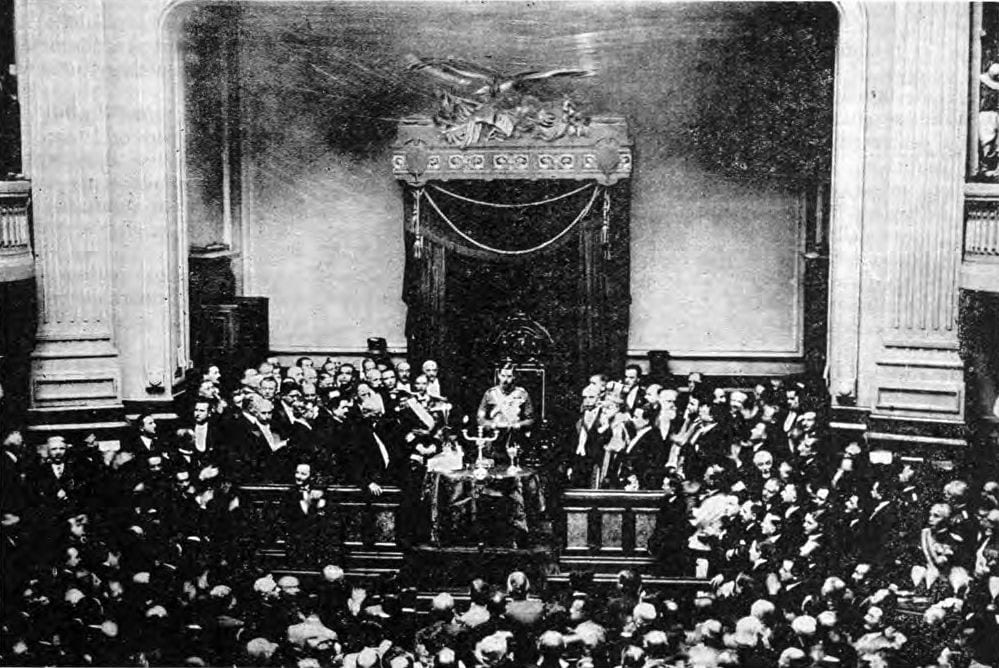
x: 846, y: 205
x: 144, y: 230
x: 913, y: 258
x: 75, y: 362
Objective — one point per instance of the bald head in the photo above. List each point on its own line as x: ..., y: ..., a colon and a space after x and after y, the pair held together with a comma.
x: 517, y: 584
x: 442, y: 606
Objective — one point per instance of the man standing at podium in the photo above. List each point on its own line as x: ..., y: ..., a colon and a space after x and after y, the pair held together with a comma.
x: 507, y: 408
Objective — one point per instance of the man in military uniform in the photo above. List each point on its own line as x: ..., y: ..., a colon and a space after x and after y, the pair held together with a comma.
x: 507, y: 408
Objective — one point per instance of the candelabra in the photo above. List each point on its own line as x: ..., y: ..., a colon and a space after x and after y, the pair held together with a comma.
x: 480, y: 440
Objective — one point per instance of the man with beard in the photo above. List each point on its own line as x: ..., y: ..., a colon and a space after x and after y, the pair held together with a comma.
x: 57, y: 482
x: 404, y: 371
x: 391, y: 394
x: 420, y: 426
x: 374, y: 451
x: 261, y: 456
x: 144, y: 442
x: 346, y: 378
x: 301, y: 513
x: 431, y: 371
x: 588, y: 450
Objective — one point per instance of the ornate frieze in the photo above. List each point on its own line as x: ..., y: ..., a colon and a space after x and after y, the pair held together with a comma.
x: 422, y: 153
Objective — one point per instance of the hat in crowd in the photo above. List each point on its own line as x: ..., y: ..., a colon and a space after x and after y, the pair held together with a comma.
x: 377, y: 344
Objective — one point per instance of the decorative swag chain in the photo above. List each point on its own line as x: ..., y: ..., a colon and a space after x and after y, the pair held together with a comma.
x: 502, y: 205
x: 501, y: 251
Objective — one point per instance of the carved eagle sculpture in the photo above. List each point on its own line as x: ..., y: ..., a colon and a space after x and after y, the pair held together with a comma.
x: 493, y: 111
x: 490, y: 83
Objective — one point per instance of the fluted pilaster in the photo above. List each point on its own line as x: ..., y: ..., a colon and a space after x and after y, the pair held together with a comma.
x: 915, y: 250
x: 66, y: 108
x: 928, y: 118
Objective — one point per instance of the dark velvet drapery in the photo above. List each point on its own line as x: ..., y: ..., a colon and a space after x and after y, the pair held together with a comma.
x: 458, y: 294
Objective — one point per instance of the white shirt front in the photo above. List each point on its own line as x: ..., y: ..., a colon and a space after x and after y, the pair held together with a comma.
x: 201, y: 437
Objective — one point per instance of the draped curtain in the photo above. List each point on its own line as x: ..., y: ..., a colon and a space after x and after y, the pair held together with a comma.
x: 458, y: 287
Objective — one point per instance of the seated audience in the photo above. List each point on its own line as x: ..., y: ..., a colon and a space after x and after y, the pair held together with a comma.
x: 806, y: 552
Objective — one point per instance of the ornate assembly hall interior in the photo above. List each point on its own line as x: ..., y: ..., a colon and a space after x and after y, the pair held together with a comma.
x: 398, y: 333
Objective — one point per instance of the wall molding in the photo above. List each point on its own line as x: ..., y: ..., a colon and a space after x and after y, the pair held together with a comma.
x: 918, y: 397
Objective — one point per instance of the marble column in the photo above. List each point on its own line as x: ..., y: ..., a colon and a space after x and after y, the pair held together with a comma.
x: 65, y: 106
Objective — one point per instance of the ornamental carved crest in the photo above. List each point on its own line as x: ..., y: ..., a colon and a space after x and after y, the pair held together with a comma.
x: 477, y: 105
x: 521, y: 339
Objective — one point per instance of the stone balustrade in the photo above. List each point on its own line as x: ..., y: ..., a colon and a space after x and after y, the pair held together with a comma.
x: 16, y: 257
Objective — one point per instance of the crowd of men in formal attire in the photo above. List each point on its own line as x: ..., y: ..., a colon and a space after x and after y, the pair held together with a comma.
x: 811, y: 552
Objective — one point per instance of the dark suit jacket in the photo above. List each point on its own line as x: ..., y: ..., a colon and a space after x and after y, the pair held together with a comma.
x: 46, y: 486
x: 13, y: 488
x: 280, y: 422
x: 595, y: 440
x: 249, y: 455
x: 366, y: 462
x: 133, y: 444
x: 705, y: 448
x: 214, y: 446
x: 636, y: 459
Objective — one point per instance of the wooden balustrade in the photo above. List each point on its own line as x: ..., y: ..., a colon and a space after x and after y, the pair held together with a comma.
x: 361, y: 525
x: 597, y: 530
x: 605, y: 530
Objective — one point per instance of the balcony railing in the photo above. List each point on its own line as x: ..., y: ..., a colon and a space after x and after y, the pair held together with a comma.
x: 981, y: 229
x: 16, y: 258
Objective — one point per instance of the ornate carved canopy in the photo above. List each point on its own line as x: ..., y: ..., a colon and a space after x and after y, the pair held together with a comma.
x: 602, y: 153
